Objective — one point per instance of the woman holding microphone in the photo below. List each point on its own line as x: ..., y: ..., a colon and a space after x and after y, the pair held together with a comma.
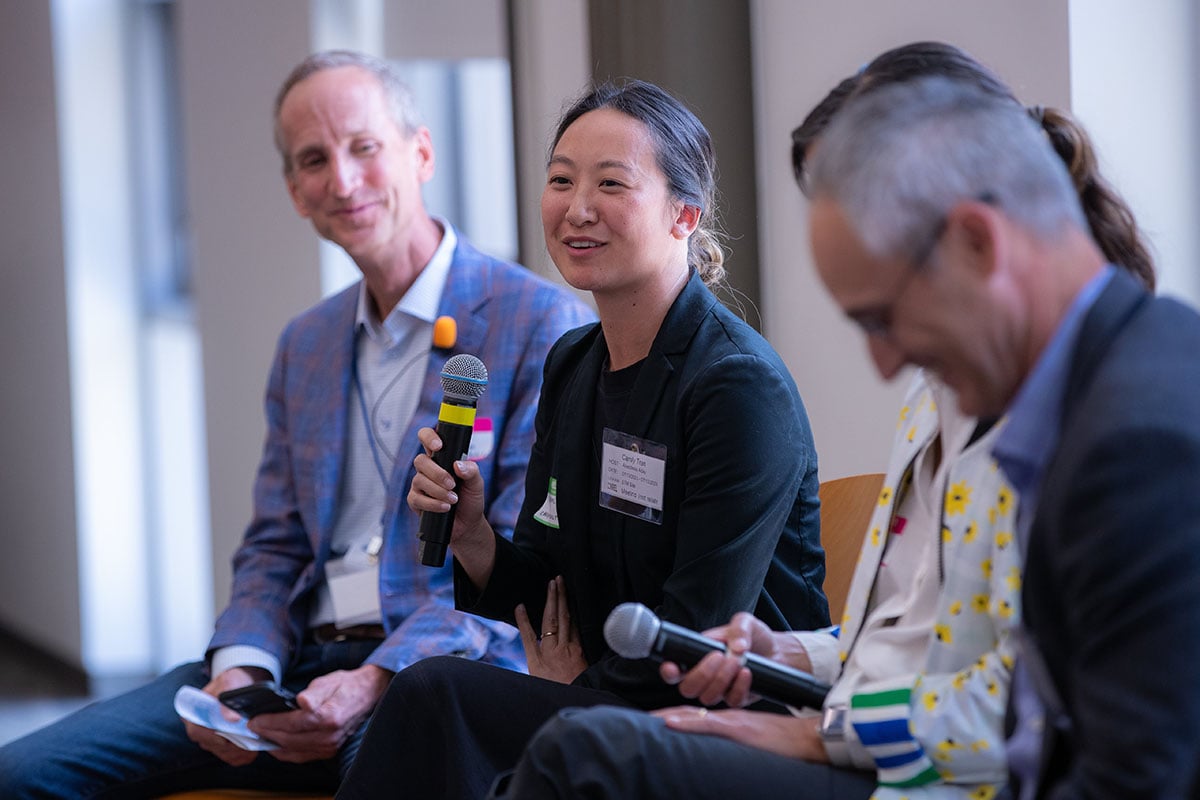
x: 674, y: 466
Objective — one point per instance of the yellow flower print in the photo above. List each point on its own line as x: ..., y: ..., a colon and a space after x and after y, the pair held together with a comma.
x: 943, y: 633
x: 993, y: 688
x: 1003, y: 539
x: 1008, y: 661
x: 957, y: 498
x: 944, y: 748
x: 1004, y: 500
x: 972, y: 532
x: 980, y: 603
x: 903, y: 416
x: 912, y: 433
x: 960, y: 680
x: 885, y: 495
x: 930, y: 699
x: 1014, y: 578
x: 956, y: 608
x: 992, y: 514
x: 986, y: 566
x: 979, y: 745
x: 947, y: 536
x: 984, y: 792
x: 875, y: 537
x: 1004, y: 609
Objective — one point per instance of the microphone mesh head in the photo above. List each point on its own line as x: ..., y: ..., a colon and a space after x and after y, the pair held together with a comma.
x: 464, y: 377
x: 631, y: 629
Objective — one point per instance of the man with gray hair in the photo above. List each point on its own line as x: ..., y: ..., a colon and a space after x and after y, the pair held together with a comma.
x: 943, y: 225
x: 329, y: 598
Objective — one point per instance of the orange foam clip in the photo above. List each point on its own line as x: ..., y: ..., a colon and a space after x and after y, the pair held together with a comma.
x: 445, y: 332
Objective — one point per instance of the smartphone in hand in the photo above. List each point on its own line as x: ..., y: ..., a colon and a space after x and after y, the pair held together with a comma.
x: 264, y: 697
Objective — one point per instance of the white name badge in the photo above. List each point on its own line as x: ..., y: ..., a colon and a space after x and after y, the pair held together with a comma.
x: 631, y: 476
x: 355, y: 596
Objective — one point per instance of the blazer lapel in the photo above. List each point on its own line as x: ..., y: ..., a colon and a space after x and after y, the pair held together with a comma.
x: 1116, y: 304
x: 670, y: 344
x: 574, y: 453
x: 573, y: 461
x: 326, y: 382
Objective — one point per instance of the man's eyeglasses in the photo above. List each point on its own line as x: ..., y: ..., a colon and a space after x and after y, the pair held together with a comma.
x: 877, y: 320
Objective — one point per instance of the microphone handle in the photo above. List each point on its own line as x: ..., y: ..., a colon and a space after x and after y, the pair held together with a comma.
x: 784, y: 684
x: 435, y: 526
x: 770, y: 679
x: 682, y: 645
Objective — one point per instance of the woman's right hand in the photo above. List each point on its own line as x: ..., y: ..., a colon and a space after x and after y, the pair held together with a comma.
x: 432, y: 489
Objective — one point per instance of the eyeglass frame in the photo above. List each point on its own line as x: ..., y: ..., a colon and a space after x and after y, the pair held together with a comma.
x: 877, y: 321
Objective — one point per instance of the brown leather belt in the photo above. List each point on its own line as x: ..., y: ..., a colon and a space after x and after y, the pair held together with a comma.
x: 328, y: 633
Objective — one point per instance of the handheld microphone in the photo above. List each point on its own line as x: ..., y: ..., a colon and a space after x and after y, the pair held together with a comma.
x: 633, y: 631
x: 464, y: 379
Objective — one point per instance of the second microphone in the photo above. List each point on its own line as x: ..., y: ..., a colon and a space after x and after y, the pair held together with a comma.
x: 634, y: 631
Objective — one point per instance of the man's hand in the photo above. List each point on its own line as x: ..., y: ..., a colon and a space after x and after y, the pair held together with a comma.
x: 794, y: 737
x: 720, y: 677
x: 558, y: 654
x: 331, y: 709
x: 209, y: 739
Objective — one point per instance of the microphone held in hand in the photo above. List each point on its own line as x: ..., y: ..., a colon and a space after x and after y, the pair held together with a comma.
x: 633, y: 631
x: 464, y: 379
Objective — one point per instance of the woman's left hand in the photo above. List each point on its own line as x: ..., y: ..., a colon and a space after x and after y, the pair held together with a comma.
x: 795, y: 737
x: 556, y: 655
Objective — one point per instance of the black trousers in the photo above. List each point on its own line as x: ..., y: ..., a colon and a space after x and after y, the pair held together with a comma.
x: 624, y: 754
x: 447, y: 727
